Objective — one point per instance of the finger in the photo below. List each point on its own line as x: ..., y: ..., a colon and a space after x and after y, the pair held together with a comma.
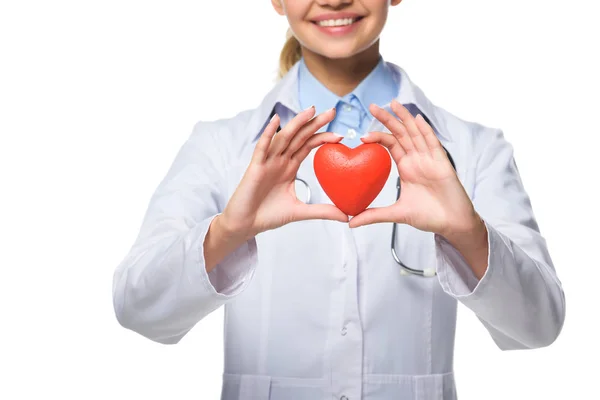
x: 316, y: 140
x: 319, y: 211
x: 409, y: 122
x: 387, y: 140
x: 394, y: 125
x: 428, y: 133
x: 282, y: 138
x: 262, y: 147
x: 308, y: 130
x: 373, y: 216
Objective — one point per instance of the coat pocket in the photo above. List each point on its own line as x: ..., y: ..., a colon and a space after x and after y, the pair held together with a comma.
x: 246, y: 387
x: 434, y: 387
x: 411, y: 387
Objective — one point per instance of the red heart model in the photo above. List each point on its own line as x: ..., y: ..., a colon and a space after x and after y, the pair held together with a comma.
x: 352, y: 178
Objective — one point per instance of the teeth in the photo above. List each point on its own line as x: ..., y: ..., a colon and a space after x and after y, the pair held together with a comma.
x: 337, y: 22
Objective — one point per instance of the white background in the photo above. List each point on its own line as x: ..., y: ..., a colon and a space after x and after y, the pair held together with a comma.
x: 97, y: 96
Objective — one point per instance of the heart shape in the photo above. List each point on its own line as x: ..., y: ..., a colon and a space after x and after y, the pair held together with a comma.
x: 352, y: 177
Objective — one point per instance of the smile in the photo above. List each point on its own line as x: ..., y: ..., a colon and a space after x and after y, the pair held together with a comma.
x: 338, y: 22
x: 337, y: 25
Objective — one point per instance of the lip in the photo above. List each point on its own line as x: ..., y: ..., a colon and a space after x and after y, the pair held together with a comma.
x: 337, y: 30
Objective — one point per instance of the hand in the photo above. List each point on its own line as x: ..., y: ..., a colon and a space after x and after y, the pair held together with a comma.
x: 432, y: 198
x: 266, y: 197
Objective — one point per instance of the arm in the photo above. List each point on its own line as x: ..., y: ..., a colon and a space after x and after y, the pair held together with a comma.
x: 508, y: 278
x: 186, y: 261
x: 162, y: 288
x: 519, y: 298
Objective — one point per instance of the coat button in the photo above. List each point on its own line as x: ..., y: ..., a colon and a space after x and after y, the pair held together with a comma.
x: 344, y: 331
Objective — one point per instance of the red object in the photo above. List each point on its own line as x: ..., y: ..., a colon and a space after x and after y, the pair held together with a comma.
x: 352, y: 177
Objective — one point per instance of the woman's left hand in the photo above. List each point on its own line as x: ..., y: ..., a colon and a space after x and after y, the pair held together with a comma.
x: 432, y: 198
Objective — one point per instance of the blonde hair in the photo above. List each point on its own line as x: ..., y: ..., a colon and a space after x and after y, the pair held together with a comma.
x: 290, y: 54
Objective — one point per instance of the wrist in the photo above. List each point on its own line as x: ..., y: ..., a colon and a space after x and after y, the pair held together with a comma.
x: 221, y: 240
x: 472, y: 244
x: 469, y: 233
x: 231, y: 231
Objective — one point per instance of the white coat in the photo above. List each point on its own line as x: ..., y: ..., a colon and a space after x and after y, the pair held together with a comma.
x: 316, y: 310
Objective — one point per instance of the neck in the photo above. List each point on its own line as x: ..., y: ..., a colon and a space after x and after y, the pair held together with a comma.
x: 342, y: 75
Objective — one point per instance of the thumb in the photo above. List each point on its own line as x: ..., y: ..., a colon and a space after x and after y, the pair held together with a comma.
x: 320, y: 211
x: 373, y: 216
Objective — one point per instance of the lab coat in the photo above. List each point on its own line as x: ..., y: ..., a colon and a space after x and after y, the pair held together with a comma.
x: 316, y: 310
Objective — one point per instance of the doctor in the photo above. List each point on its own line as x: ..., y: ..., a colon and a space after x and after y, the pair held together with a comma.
x: 316, y: 307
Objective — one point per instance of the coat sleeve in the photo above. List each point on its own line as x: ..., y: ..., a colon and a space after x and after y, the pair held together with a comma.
x: 519, y: 299
x: 161, y: 288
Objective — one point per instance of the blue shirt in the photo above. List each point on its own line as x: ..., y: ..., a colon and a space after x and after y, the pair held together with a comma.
x: 352, y: 111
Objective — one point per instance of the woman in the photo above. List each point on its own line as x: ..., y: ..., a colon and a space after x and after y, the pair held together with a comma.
x: 315, y: 304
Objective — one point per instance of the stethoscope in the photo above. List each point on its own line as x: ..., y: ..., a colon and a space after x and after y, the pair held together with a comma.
x: 405, y: 269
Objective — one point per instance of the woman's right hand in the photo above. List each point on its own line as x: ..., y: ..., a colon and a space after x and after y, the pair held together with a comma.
x: 266, y: 197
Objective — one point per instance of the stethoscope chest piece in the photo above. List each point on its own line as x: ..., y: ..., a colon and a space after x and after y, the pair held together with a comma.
x: 302, y: 190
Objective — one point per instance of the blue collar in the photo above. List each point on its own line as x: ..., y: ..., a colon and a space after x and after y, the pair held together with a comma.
x: 379, y: 87
x: 285, y: 92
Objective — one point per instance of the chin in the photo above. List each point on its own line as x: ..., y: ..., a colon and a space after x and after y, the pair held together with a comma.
x: 337, y: 55
x: 338, y: 52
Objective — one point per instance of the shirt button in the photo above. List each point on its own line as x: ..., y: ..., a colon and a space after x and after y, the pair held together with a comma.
x: 351, y: 133
x: 344, y: 331
x: 343, y: 398
x: 347, y: 107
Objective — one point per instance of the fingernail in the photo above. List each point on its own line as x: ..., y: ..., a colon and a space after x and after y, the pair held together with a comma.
x: 311, y: 107
x: 366, y: 135
x: 273, y: 117
x: 337, y: 134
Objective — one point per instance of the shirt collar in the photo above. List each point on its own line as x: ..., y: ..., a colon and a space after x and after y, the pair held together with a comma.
x: 378, y: 87
x: 285, y: 93
x: 311, y: 92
